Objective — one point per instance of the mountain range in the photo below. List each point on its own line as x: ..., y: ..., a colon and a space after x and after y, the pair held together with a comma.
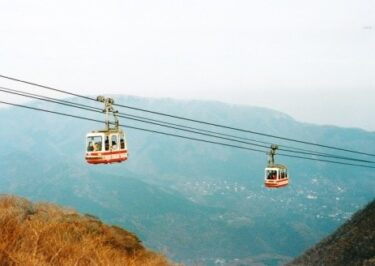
x: 197, y: 202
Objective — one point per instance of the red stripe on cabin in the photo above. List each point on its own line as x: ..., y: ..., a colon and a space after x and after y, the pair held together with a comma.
x: 276, y: 185
x: 101, y: 161
x: 106, y: 152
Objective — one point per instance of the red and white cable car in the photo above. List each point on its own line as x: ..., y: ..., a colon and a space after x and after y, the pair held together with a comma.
x: 108, y: 145
x: 276, y: 175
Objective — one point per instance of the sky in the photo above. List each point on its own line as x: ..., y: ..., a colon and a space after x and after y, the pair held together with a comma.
x: 314, y: 60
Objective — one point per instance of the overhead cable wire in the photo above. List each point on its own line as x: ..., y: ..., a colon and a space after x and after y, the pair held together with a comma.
x: 145, y: 120
x: 127, y: 126
x: 91, y: 108
x: 192, y: 120
x: 181, y: 136
x: 130, y: 117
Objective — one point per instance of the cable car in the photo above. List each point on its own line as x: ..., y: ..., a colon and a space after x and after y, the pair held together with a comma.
x: 108, y: 145
x: 276, y: 175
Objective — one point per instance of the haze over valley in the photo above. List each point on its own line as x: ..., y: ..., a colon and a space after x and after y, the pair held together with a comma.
x: 195, y: 201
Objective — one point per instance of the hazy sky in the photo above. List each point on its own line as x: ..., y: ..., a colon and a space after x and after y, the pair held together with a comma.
x: 314, y: 60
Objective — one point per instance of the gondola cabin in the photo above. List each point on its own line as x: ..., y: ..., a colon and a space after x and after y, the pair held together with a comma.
x: 106, y: 146
x: 276, y: 176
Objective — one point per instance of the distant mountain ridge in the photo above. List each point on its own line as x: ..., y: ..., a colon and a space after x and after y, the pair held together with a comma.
x: 353, y: 243
x: 173, y: 192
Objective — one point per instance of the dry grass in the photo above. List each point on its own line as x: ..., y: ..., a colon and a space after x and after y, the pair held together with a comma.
x: 45, y: 234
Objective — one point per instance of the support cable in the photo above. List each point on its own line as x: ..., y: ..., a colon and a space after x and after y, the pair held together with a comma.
x: 181, y: 136
x: 191, y: 120
x: 174, y: 126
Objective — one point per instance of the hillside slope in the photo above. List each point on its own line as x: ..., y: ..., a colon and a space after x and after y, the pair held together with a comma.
x: 45, y: 234
x: 352, y: 244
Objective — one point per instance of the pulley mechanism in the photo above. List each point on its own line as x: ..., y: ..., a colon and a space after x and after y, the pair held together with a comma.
x: 108, y: 108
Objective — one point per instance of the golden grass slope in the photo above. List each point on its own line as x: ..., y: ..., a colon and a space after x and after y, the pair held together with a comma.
x: 45, y: 234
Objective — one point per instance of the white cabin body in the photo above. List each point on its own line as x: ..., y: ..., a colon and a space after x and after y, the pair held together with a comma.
x: 106, y: 146
x: 276, y: 176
